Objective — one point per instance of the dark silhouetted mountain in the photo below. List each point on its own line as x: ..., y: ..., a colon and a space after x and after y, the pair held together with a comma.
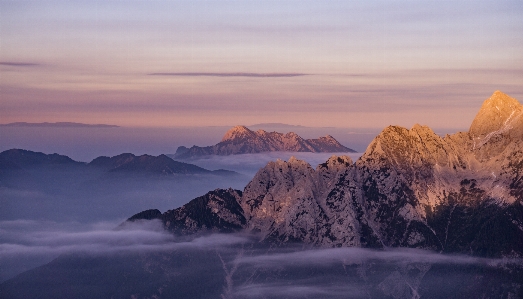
x: 241, y: 140
x: 19, y: 158
x: 146, y: 215
x: 147, y: 164
x: 216, y: 211
x: 411, y: 188
x: 14, y: 159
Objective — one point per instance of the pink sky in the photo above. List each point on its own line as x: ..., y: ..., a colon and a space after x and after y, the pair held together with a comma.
x: 363, y: 65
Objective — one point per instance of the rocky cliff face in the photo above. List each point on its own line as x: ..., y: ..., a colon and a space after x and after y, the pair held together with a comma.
x: 241, y: 140
x: 411, y: 188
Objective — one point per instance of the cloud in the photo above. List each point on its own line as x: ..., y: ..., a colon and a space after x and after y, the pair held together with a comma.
x: 352, y: 272
x: 249, y: 164
x: 57, y: 125
x: 25, y: 244
x: 256, y: 75
x: 54, y: 238
x: 354, y: 255
x: 250, y: 269
x: 20, y: 64
x: 297, y: 290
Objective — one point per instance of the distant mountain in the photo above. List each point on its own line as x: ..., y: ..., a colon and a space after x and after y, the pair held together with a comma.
x: 411, y: 188
x: 241, y: 140
x: 146, y: 164
x: 57, y: 125
x: 19, y: 159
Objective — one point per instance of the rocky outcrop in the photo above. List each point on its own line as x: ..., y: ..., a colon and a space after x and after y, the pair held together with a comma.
x: 216, y: 211
x: 241, y: 140
x: 411, y: 188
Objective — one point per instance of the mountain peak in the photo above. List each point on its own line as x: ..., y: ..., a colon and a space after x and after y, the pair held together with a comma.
x: 421, y: 130
x: 242, y: 140
x: 237, y: 132
x: 496, y: 113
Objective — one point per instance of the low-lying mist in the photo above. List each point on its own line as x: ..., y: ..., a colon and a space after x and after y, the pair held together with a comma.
x: 68, y: 194
x: 77, y: 199
x: 60, y: 231
x: 74, y: 193
x: 142, y: 259
x: 249, y: 164
x: 26, y: 244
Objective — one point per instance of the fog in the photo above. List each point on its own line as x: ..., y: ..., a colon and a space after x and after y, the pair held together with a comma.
x: 77, y: 200
x: 249, y: 164
x: 90, y: 195
x: 85, y: 195
x: 229, y: 265
x: 26, y: 244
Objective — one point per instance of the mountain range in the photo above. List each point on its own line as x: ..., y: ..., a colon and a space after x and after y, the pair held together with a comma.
x: 411, y: 188
x: 17, y: 159
x: 345, y: 229
x: 241, y: 140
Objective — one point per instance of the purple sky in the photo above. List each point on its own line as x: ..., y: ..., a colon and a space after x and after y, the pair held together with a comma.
x: 360, y: 64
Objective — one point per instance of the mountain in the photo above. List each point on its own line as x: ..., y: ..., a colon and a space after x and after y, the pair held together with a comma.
x: 216, y: 211
x: 411, y: 188
x: 241, y: 140
x: 19, y: 158
x: 146, y: 164
x: 302, y: 228
x: 15, y: 159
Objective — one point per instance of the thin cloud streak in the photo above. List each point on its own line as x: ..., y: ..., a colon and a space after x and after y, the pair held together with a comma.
x: 249, y: 164
x: 21, y: 64
x: 255, y: 75
x: 131, y: 237
x: 355, y: 255
x: 25, y: 244
x: 298, y: 290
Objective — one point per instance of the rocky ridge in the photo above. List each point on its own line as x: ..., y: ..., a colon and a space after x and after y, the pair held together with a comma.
x: 146, y: 164
x: 19, y: 159
x: 241, y: 140
x: 411, y: 188
x: 217, y: 211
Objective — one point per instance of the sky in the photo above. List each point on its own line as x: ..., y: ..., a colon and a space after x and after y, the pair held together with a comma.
x: 347, y: 64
